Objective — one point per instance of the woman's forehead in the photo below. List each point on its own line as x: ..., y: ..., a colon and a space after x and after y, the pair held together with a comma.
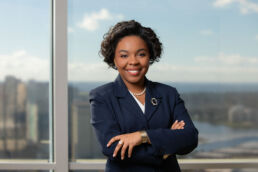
x: 131, y: 43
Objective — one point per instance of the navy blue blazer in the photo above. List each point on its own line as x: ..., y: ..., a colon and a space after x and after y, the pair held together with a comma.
x: 114, y: 111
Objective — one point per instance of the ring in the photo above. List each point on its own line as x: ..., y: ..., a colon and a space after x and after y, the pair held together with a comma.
x: 120, y: 142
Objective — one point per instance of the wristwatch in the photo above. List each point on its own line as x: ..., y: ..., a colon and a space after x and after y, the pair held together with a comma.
x: 144, y: 136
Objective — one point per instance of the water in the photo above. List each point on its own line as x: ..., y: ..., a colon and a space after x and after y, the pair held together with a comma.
x: 219, y: 136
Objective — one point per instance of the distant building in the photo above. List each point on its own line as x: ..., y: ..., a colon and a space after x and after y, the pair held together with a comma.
x: 243, y: 114
x: 83, y: 140
x: 12, y: 114
x: 24, y: 119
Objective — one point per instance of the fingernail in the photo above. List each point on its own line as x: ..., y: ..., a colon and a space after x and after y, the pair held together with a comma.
x: 122, y: 158
x: 114, y: 155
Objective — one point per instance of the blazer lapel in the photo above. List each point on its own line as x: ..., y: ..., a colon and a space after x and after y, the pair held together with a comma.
x: 152, y: 99
x: 126, y: 99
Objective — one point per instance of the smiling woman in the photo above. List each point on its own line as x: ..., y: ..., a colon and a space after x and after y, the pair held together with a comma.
x: 141, y: 125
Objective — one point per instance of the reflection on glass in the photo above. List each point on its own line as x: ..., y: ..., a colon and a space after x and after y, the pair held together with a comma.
x: 211, y: 59
x: 24, y: 79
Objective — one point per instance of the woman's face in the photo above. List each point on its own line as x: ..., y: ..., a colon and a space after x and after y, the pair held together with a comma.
x: 132, y: 59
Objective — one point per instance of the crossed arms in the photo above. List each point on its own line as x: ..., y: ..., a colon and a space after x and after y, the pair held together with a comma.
x: 180, y: 138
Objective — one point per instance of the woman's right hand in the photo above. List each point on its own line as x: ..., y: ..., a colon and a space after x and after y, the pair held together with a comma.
x: 178, y: 125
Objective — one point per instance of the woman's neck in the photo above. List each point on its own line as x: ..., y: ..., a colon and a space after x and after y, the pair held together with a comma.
x: 135, y: 87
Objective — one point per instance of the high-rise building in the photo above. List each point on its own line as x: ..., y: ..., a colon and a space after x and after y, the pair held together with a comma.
x: 12, y: 114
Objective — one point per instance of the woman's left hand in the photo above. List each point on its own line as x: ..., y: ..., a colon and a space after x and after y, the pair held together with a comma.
x: 126, y: 141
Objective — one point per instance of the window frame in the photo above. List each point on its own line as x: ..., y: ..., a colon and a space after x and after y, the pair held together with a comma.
x: 59, y: 159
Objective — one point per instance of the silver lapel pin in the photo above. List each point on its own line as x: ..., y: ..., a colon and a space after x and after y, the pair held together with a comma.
x: 154, y: 101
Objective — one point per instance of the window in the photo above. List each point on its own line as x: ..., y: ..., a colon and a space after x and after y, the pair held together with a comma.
x: 209, y: 58
x: 25, y: 116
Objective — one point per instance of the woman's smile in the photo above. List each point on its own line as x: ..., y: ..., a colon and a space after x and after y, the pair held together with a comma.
x: 133, y: 72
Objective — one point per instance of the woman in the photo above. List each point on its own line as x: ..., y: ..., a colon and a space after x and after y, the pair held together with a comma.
x: 141, y: 125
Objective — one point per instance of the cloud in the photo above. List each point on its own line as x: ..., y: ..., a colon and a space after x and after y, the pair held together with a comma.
x: 222, y: 3
x: 221, y: 68
x: 245, y: 6
x: 91, y: 21
x: 24, y: 66
x: 256, y: 37
x: 233, y: 59
x: 79, y: 71
x: 206, y: 32
x: 202, y: 73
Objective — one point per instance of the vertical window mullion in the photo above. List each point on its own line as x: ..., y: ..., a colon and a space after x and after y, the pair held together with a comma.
x: 60, y: 97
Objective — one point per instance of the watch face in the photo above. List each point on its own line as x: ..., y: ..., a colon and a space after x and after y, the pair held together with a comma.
x: 144, y: 137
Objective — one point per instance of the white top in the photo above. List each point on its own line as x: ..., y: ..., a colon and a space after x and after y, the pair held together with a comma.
x: 139, y: 103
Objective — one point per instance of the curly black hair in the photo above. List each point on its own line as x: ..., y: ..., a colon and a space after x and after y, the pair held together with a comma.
x: 127, y: 28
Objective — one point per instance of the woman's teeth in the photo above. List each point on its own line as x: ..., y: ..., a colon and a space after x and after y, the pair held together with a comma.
x: 134, y: 72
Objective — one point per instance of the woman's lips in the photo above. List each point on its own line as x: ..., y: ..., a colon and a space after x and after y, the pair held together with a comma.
x: 133, y: 72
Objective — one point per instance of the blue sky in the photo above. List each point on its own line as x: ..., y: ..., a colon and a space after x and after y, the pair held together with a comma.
x: 204, y: 40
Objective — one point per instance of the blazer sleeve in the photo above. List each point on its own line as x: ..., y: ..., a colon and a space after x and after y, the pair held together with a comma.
x: 167, y: 141
x: 106, y: 126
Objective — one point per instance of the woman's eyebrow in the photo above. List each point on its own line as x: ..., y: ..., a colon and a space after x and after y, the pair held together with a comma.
x: 123, y: 51
x: 142, y: 49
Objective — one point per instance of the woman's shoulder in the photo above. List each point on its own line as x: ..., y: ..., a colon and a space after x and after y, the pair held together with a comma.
x: 163, y: 88
x: 102, y: 91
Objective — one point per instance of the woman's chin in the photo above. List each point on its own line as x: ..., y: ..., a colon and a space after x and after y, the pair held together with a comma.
x: 135, y: 80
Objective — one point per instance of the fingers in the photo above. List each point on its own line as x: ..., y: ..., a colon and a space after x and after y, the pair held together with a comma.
x: 123, y: 151
x: 174, y: 124
x: 126, y: 141
x: 118, y: 147
x: 130, y: 151
x: 181, y: 125
x: 178, y: 125
x: 116, y: 138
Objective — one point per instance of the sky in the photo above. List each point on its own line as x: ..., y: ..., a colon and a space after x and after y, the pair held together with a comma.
x: 203, y: 40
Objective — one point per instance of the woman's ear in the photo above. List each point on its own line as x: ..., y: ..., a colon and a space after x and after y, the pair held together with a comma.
x: 114, y: 64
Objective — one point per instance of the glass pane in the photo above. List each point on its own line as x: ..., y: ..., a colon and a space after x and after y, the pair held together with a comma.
x: 222, y: 170
x: 195, y: 170
x: 24, y: 79
x: 210, y: 56
x: 87, y: 171
x: 26, y: 171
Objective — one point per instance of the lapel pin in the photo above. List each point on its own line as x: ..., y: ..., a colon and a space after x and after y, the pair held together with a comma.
x: 154, y: 101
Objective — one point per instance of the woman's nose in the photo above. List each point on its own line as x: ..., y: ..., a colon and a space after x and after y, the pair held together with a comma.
x: 133, y: 60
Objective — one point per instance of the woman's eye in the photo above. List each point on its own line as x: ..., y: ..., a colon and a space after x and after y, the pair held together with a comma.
x: 142, y: 54
x: 123, y: 55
